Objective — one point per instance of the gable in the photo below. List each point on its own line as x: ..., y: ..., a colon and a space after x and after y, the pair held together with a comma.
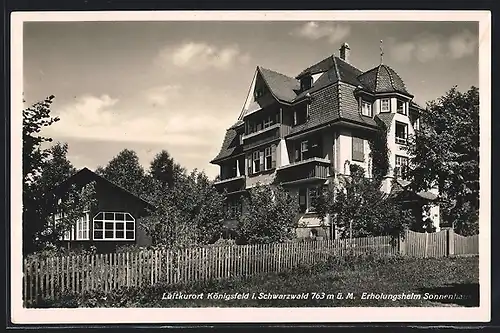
x: 86, y: 176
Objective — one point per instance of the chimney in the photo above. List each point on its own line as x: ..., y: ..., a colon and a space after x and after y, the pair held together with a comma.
x: 344, y: 52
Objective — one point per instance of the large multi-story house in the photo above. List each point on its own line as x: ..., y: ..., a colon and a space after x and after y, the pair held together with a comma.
x: 302, y: 131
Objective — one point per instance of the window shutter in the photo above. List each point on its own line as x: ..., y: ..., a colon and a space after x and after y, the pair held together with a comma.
x: 297, y: 154
x: 249, y: 164
x: 273, y: 156
x: 357, y: 149
x: 261, y: 160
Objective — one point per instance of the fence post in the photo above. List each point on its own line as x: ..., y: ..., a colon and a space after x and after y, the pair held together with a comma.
x: 402, y: 240
x: 451, y: 242
x: 426, y: 243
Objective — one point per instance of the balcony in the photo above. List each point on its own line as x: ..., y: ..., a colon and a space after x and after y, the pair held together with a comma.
x: 310, y: 170
x: 264, y: 135
x: 231, y: 185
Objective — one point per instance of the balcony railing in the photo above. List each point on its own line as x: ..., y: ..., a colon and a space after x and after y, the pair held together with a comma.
x: 231, y: 185
x: 401, y: 141
x: 313, y: 169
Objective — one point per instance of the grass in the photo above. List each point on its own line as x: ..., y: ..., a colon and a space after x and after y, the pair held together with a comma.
x: 322, y: 284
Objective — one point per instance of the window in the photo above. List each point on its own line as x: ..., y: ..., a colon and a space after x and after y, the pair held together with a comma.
x: 82, y: 227
x: 401, y: 133
x: 307, y: 196
x: 385, y: 105
x: 300, y: 114
x: 401, y: 166
x: 308, y: 149
x: 114, y: 226
x: 366, y: 108
x: 240, y: 138
x: 358, y: 149
x: 256, y: 161
x: 306, y: 83
x: 268, y: 158
x: 68, y: 235
x: 249, y: 164
x: 401, y: 107
x: 302, y: 200
x: 304, y: 148
x: 414, y: 120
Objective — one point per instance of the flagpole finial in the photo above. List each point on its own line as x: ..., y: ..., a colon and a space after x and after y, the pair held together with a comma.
x: 381, y: 51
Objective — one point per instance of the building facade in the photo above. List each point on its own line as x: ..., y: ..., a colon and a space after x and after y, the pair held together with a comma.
x: 303, y: 131
x: 113, y: 221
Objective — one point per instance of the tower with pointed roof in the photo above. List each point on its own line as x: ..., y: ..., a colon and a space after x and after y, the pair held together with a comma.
x: 306, y: 130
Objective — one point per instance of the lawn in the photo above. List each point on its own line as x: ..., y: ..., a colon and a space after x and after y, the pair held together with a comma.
x: 385, y: 282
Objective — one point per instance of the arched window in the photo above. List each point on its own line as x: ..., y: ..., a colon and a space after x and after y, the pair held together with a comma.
x: 114, y: 226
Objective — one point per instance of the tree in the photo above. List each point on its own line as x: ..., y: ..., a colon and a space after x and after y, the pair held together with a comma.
x: 269, y: 215
x: 164, y: 169
x: 358, y: 208
x: 56, y: 168
x: 379, y: 152
x: 446, y: 154
x: 206, y: 207
x: 126, y: 171
x: 35, y: 118
x: 189, y: 212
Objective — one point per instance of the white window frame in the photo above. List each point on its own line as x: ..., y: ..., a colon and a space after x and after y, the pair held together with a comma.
x: 366, y: 108
x: 403, y: 110
x: 255, y: 159
x: 399, y: 165
x: 268, y: 154
x: 83, y: 227
x: 114, y: 221
x: 302, y: 150
x: 388, y: 109
x: 399, y: 140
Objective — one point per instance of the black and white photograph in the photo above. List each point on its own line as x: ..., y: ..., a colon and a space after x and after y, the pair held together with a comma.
x: 222, y: 167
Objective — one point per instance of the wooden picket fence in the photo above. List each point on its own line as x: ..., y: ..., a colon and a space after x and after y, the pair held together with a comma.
x: 439, y: 244
x: 53, y: 276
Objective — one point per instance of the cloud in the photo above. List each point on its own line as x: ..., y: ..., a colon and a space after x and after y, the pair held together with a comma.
x: 201, y: 56
x: 333, y: 32
x: 462, y: 44
x: 102, y: 118
x: 429, y: 47
x: 161, y: 95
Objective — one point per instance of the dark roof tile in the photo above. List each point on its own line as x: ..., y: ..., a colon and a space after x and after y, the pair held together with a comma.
x: 382, y: 79
x: 386, y: 119
x: 230, y: 145
x: 282, y: 87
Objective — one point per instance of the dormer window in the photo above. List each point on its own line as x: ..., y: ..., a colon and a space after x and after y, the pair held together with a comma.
x: 401, y: 107
x: 258, y: 93
x: 366, y: 108
x: 385, y: 105
x: 305, y: 83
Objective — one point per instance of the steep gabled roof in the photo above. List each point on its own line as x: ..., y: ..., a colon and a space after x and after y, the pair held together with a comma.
x: 319, y: 67
x: 230, y: 145
x: 282, y: 87
x: 85, y: 176
x: 334, y: 69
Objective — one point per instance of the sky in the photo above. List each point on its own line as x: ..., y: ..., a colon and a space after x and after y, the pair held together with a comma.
x: 177, y: 86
